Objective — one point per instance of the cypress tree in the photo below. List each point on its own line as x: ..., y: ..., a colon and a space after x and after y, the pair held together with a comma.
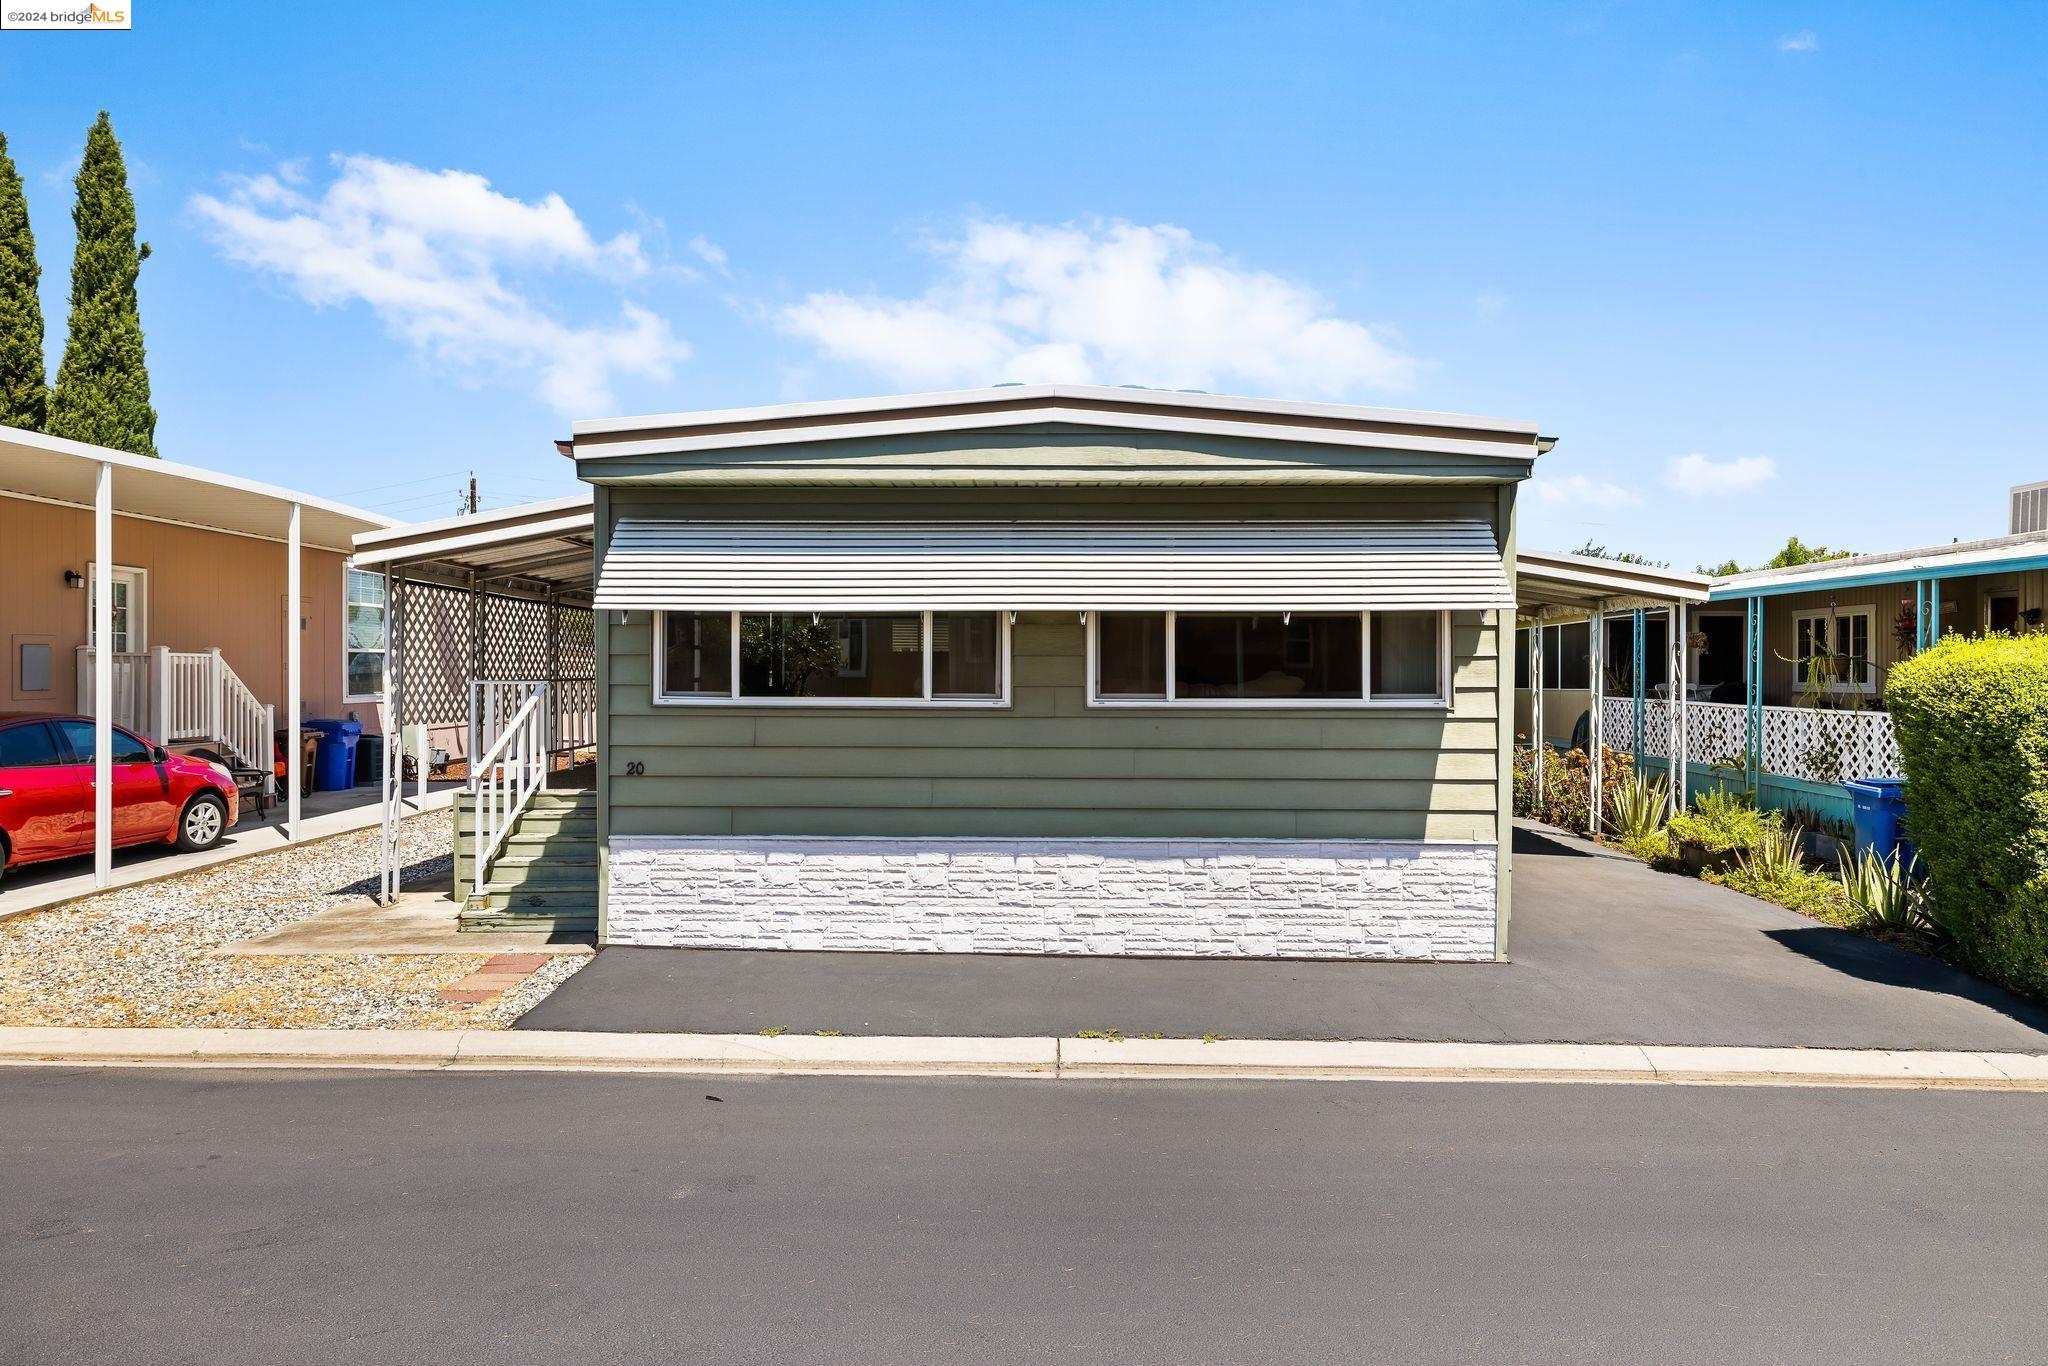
x: 102, y: 392
x: 24, y: 393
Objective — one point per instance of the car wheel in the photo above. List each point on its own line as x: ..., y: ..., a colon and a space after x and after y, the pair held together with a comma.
x: 202, y: 823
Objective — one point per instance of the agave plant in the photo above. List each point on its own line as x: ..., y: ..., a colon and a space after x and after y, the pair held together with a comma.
x: 1889, y: 896
x: 1638, y: 804
x: 1776, y: 856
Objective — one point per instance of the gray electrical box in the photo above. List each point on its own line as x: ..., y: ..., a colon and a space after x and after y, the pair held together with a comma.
x: 35, y: 666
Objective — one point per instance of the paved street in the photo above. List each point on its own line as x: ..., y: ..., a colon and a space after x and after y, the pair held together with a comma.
x: 186, y: 1216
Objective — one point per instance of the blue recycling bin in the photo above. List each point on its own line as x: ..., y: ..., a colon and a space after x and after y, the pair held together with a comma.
x: 1881, y: 817
x: 334, y: 764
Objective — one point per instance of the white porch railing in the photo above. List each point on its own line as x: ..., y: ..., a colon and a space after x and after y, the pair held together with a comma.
x: 571, y: 714
x: 1798, y: 742
x: 174, y: 697
x: 505, y: 779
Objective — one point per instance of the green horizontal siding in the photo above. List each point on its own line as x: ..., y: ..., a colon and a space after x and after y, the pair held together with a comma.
x: 1048, y: 764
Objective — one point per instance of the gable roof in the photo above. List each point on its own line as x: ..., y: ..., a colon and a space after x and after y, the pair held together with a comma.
x: 1080, y: 406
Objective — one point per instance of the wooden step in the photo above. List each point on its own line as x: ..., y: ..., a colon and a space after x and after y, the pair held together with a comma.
x: 544, y: 877
x: 529, y: 921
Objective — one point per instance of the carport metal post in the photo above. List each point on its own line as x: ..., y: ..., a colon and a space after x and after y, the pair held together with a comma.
x: 1753, y: 690
x: 394, y: 743
x: 1674, y: 712
x: 102, y: 656
x: 1537, y: 744
x: 1595, y: 741
x: 1636, y: 680
x: 294, y: 749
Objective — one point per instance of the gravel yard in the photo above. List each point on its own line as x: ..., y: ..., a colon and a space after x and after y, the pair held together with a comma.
x: 144, y: 955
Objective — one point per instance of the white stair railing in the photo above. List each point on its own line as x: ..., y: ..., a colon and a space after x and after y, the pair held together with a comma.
x: 178, y: 696
x: 132, y: 690
x: 505, y: 779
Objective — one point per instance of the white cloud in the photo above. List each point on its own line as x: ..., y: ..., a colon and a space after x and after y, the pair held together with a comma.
x: 1581, y: 491
x: 1695, y: 473
x: 1112, y: 303
x: 708, y: 251
x: 436, y: 255
x: 1805, y: 40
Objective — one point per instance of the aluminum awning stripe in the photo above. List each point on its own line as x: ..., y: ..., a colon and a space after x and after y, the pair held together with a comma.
x: 959, y: 566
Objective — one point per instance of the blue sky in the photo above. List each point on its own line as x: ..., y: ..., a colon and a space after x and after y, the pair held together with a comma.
x: 1763, y: 269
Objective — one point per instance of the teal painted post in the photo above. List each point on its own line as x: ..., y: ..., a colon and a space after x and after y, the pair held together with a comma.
x: 1934, y: 612
x: 1753, y: 691
x: 1642, y: 716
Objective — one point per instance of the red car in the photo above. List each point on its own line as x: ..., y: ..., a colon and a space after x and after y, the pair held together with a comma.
x: 46, y: 792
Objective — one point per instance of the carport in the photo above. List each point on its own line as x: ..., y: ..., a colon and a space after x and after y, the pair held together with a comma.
x: 491, y: 648
x: 1550, y: 587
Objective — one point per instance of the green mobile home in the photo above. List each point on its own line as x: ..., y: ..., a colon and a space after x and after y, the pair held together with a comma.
x: 1055, y: 669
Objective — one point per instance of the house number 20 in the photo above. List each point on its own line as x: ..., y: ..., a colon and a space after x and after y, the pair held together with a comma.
x: 635, y: 769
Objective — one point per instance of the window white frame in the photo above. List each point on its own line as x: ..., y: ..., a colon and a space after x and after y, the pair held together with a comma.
x: 1365, y: 701
x: 138, y: 605
x: 1832, y: 618
x: 1994, y: 596
x: 348, y: 573
x: 664, y: 698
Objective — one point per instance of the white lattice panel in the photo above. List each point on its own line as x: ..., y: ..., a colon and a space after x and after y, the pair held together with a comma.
x: 1829, y: 746
x: 1799, y: 742
x: 1715, y: 731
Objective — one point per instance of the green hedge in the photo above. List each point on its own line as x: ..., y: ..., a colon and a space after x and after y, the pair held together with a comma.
x: 1971, y: 717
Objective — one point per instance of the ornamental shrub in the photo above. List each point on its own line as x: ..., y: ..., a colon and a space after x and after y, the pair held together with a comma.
x: 1722, y: 823
x: 1971, y: 716
x: 1568, y: 786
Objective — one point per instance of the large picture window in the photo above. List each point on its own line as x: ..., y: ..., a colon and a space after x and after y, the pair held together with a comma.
x: 1268, y: 659
x: 833, y: 658
x: 363, y: 637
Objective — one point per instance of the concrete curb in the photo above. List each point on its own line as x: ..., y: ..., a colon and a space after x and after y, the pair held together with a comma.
x: 1046, y: 1058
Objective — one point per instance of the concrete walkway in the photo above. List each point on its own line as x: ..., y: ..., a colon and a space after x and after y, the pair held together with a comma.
x: 419, y: 922
x: 1605, y: 951
x: 41, y: 886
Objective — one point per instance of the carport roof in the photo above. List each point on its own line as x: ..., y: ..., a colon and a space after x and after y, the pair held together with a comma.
x: 1545, y: 579
x: 534, y: 549
x: 52, y: 469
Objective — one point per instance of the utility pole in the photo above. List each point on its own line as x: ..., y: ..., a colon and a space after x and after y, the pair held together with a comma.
x: 472, y: 493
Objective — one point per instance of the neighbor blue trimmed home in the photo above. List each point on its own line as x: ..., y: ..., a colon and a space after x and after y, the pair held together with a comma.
x: 1783, y: 669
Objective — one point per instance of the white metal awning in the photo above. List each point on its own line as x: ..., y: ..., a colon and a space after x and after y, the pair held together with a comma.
x: 816, y: 566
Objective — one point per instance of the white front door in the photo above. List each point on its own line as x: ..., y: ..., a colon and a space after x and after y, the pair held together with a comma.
x: 131, y: 610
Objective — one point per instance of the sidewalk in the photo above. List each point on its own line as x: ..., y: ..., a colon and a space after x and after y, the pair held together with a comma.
x: 1046, y: 1058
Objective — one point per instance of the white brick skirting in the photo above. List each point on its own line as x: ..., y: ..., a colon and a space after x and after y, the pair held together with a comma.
x: 1209, y: 898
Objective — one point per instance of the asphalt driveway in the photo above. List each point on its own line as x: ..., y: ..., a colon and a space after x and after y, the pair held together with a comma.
x: 1604, y: 951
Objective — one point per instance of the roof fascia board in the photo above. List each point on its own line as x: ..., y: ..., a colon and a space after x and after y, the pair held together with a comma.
x: 1024, y: 393
x: 942, y: 423
x: 395, y: 551
x: 502, y: 516
x: 1962, y: 567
